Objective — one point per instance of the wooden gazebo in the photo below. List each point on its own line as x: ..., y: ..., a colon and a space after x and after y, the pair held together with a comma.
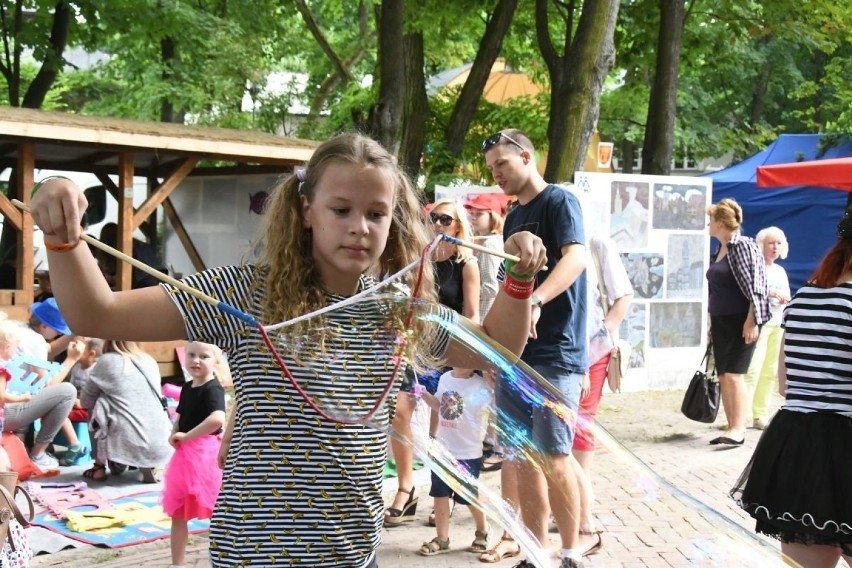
x: 165, y: 154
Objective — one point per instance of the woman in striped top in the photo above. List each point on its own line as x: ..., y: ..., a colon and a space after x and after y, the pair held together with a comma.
x: 296, y: 487
x: 797, y: 485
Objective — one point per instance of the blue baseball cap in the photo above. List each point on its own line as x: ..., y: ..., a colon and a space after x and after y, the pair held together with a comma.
x: 48, y: 313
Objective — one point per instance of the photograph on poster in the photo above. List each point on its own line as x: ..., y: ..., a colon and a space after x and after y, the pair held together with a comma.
x: 629, y: 219
x: 632, y: 330
x: 679, y: 207
x: 685, y: 266
x: 646, y: 271
x: 675, y: 324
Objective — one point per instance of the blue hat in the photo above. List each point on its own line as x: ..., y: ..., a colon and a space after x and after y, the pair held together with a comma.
x: 47, y: 313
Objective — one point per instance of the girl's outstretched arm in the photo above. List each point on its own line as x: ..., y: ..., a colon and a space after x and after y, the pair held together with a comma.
x: 88, y: 304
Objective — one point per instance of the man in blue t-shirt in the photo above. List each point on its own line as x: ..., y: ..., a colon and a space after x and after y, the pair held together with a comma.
x: 557, y: 347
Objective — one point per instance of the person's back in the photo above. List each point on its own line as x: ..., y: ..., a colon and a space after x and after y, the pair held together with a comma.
x: 121, y: 394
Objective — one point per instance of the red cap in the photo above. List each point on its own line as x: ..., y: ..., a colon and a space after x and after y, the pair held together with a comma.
x: 487, y: 202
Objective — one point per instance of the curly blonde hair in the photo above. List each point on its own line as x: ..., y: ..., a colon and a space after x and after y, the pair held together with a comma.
x: 292, y: 281
x: 728, y: 212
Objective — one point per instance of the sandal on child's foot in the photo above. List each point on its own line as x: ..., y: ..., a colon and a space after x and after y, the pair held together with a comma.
x: 395, y: 517
x: 434, y: 546
x: 505, y: 548
x: 480, y: 542
x: 96, y: 473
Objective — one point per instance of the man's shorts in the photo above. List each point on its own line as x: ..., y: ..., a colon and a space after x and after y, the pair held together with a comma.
x: 520, y: 422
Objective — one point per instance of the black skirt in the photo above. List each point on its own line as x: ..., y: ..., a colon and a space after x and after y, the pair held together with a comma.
x: 798, y: 484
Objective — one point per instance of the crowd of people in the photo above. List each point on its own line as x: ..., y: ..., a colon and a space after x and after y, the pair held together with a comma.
x: 332, y: 231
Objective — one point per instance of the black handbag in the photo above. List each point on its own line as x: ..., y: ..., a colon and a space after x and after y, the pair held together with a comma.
x: 701, y: 401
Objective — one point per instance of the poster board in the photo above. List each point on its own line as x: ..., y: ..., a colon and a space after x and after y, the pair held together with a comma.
x: 659, y: 225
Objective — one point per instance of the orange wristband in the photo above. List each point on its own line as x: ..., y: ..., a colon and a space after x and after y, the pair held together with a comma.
x: 64, y: 247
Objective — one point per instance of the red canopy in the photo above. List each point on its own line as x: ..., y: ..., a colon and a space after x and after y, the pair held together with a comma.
x: 835, y: 173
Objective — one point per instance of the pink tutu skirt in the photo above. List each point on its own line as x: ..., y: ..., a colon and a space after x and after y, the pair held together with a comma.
x: 192, y: 479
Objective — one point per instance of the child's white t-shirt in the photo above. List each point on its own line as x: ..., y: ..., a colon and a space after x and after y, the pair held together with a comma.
x: 463, y: 414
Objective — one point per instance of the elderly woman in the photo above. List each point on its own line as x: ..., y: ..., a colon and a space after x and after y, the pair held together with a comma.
x: 127, y: 420
x: 763, y: 370
x: 738, y: 306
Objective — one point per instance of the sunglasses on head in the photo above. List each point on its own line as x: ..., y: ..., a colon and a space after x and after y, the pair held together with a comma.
x: 445, y: 220
x: 492, y: 141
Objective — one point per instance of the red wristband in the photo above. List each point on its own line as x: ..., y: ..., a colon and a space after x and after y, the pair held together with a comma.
x: 518, y: 289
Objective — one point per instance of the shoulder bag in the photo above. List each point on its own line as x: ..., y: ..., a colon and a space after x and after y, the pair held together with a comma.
x: 163, y: 402
x: 9, y: 510
x: 619, y: 356
x: 701, y: 400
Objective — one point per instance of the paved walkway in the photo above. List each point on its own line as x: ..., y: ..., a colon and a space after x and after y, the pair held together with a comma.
x: 665, y: 506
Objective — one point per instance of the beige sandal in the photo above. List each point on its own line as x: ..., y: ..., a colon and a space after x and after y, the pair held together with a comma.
x: 480, y: 542
x: 434, y: 546
x: 493, y: 556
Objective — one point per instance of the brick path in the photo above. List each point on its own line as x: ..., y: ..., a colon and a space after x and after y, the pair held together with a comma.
x: 670, y: 523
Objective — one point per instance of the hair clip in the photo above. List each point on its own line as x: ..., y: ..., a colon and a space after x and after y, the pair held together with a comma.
x: 301, y: 174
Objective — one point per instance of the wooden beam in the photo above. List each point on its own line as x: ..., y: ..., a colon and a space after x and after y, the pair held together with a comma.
x: 12, y: 214
x: 162, y: 192
x: 184, y: 237
x: 106, y: 181
x: 124, y: 241
x: 25, y: 274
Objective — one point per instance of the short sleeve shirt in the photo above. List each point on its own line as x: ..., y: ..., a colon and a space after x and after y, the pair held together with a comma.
x: 197, y: 403
x: 555, y: 216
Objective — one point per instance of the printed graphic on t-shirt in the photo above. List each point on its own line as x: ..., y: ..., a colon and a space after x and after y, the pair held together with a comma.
x: 452, y: 407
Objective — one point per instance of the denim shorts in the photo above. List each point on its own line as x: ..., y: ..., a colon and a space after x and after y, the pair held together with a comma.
x: 521, y: 421
x: 441, y: 489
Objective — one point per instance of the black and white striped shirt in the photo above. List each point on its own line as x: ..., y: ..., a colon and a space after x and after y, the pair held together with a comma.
x: 297, y: 488
x: 818, y: 350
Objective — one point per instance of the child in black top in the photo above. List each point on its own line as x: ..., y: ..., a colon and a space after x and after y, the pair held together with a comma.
x: 192, y: 480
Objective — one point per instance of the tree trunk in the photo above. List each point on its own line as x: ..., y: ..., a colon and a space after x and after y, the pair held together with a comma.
x: 662, y: 107
x: 416, y: 109
x: 468, y: 101
x: 168, y: 54
x: 577, y: 78
x: 53, y: 60
x: 386, y: 115
x: 627, y: 156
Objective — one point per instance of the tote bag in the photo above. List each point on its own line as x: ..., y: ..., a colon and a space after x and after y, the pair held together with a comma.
x: 701, y: 401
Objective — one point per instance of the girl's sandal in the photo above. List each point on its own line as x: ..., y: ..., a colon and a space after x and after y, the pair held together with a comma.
x: 96, y: 473
x: 499, y: 552
x: 434, y: 546
x: 480, y: 542
x: 149, y: 475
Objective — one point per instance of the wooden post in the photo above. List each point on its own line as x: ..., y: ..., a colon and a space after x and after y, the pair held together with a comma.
x: 124, y: 237
x: 26, y: 253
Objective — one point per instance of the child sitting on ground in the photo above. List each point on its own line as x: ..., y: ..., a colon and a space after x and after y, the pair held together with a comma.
x: 463, y: 402
x: 192, y: 479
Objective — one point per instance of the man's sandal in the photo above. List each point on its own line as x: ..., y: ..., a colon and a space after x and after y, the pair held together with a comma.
x: 494, y: 555
x: 434, y: 546
x: 480, y: 542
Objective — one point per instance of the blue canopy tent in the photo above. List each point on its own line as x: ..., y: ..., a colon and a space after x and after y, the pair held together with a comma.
x: 807, y: 215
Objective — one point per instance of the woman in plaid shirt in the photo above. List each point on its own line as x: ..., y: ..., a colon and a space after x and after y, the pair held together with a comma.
x: 738, y: 306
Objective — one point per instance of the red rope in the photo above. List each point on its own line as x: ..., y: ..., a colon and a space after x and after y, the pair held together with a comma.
x: 398, y: 359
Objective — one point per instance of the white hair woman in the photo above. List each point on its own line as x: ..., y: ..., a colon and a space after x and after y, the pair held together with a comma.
x: 762, y: 373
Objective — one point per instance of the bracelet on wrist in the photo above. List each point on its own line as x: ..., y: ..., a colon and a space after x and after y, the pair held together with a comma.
x: 518, y: 289
x: 61, y: 247
x: 509, y: 265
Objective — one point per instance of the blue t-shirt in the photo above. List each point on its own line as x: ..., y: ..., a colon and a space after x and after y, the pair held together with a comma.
x: 555, y: 216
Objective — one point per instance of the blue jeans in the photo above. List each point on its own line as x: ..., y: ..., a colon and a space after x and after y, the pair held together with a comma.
x: 521, y: 420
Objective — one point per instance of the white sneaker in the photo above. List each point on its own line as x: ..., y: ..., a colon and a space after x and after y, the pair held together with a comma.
x: 760, y: 424
x: 45, y: 461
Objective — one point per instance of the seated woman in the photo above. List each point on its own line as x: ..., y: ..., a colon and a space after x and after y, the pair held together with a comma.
x: 127, y: 422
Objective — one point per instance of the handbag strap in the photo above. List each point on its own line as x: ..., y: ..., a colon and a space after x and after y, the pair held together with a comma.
x: 601, y: 285
x: 144, y: 374
x: 13, y: 508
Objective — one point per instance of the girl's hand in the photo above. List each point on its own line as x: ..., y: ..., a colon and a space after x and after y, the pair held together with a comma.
x: 530, y: 249
x: 176, y: 439
x: 586, y: 387
x: 57, y: 208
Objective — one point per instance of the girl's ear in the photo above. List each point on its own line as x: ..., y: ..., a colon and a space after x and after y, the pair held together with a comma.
x: 306, y: 206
